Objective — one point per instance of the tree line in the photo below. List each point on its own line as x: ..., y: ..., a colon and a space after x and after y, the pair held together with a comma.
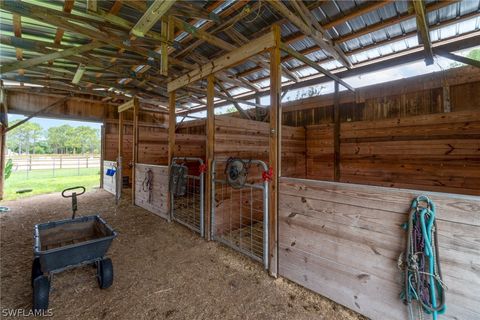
x: 31, y: 138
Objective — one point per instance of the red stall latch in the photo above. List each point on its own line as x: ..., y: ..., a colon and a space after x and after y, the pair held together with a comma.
x: 267, y: 175
x: 203, y: 168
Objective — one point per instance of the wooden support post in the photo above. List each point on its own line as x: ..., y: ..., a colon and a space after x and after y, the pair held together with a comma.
x: 172, y: 121
x: 92, y: 6
x: 3, y: 143
x: 118, y: 189
x: 135, y: 145
x: 102, y: 154
x: 423, y: 29
x: 258, y: 116
x: 447, y: 107
x: 164, y: 49
x: 210, y: 154
x: 336, y: 134
x: 275, y: 152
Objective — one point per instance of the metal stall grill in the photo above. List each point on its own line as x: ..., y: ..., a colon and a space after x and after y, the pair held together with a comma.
x: 240, y: 216
x: 188, y: 209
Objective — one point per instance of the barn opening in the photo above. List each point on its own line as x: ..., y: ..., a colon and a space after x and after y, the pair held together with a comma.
x: 47, y: 155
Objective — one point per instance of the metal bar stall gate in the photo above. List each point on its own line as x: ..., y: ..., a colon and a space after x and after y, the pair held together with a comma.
x: 188, y: 209
x: 239, y: 217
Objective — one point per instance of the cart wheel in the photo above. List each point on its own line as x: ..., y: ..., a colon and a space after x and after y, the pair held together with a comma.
x: 41, y: 291
x: 105, y: 273
x: 36, y: 269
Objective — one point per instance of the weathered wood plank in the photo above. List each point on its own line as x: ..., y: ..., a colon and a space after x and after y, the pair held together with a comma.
x: 342, y: 241
x: 230, y: 59
x: 158, y: 204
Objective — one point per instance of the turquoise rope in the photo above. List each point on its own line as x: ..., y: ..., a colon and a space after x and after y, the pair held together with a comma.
x: 427, y: 224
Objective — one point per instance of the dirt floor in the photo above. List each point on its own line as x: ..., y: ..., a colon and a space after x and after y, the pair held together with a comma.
x: 162, y: 271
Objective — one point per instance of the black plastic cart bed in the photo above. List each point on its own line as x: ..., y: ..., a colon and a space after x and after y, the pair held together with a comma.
x: 60, y: 245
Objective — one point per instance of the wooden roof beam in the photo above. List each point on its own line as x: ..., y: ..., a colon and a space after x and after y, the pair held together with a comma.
x: 423, y: 29
x: 228, y: 60
x: 55, y: 18
x: 314, y: 34
x: 455, y: 57
x: 67, y: 8
x: 17, y: 30
x: 128, y: 105
x: 374, y: 5
x: 55, y: 55
x: 209, y: 38
x: 314, y: 48
x: 235, y: 103
x: 154, y: 13
x: 315, y: 66
x: 79, y: 74
x: 246, y: 11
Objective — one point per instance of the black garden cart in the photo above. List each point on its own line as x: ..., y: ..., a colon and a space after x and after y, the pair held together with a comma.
x: 65, y: 244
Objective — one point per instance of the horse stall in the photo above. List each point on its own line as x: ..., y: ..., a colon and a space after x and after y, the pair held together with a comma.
x: 342, y: 234
x: 151, y: 171
x: 240, y: 207
x: 148, y: 175
x: 188, y: 208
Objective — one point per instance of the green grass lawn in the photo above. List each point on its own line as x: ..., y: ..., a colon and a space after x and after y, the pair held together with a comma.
x: 43, y: 181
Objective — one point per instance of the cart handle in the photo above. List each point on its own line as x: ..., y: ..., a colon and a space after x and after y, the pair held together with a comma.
x: 74, y: 195
x: 73, y: 188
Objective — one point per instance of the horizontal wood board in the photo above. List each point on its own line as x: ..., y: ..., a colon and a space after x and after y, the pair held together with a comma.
x: 438, y: 152
x: 343, y: 240
x: 249, y: 139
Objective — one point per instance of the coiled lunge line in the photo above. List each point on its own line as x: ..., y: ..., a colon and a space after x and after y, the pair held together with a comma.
x: 147, y: 184
x: 421, y: 266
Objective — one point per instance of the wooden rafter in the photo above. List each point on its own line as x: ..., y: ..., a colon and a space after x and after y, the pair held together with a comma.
x: 230, y: 59
x: 313, y: 33
x: 67, y: 8
x: 78, y: 74
x: 39, y: 112
x: 153, y: 14
x: 218, y: 42
x: 315, y: 66
x: 423, y: 30
x: 128, y: 105
x: 52, y: 56
x: 92, y: 5
x: 378, y: 44
x: 456, y: 57
x: 235, y: 103
x: 368, y: 7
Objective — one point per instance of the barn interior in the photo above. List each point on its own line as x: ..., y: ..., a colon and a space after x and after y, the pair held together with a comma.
x: 259, y: 159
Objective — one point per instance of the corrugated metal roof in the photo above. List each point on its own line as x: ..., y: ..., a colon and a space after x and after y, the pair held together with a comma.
x: 378, y: 43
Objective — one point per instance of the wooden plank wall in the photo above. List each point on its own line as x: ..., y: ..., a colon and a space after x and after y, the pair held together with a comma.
x: 190, y: 145
x: 159, y: 203
x: 248, y: 139
x: 152, y: 145
x: 26, y: 103
x: 438, y: 152
x: 109, y: 183
x: 343, y: 241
